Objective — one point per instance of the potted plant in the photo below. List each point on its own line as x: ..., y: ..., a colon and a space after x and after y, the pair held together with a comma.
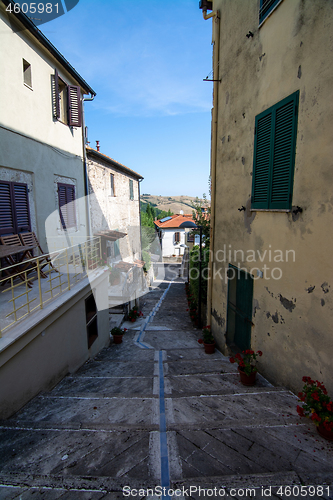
x: 117, y: 334
x: 134, y: 314
x: 317, y: 406
x: 246, y: 366
x: 208, y: 340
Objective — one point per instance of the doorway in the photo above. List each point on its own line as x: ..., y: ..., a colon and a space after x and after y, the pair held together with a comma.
x: 239, y: 310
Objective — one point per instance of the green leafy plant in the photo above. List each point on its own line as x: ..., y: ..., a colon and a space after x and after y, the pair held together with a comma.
x: 316, y: 403
x: 118, y: 331
x: 134, y: 314
x: 207, y: 335
x: 246, y: 361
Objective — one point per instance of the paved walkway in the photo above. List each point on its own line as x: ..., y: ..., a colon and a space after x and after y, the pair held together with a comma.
x: 157, y: 411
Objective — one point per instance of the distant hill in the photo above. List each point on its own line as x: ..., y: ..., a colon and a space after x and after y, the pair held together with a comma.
x: 173, y: 203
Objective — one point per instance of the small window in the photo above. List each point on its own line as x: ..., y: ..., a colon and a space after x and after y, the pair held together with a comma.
x: 112, y: 184
x: 274, y: 156
x: 177, y: 237
x: 266, y: 7
x: 131, y: 189
x: 66, y: 197
x: 27, y: 73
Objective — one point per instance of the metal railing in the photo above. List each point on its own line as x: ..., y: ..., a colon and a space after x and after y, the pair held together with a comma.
x: 43, y: 279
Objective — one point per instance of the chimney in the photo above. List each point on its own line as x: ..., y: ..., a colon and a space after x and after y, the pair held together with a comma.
x: 97, y: 145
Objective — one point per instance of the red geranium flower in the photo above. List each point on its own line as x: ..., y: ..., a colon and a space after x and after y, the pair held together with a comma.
x: 200, y: 341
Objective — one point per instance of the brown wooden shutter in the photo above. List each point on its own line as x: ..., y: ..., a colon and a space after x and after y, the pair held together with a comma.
x: 66, y: 196
x: 6, y: 209
x: 55, y: 95
x: 62, y: 204
x: 21, y: 203
x: 70, y: 195
x: 74, y: 106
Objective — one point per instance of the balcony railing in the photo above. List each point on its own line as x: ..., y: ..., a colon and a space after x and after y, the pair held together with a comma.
x: 44, y: 278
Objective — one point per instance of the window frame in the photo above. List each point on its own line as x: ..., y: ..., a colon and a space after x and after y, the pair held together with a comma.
x: 177, y: 237
x: 270, y: 140
x: 68, y: 203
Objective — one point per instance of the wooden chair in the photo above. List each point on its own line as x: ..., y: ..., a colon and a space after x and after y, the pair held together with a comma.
x: 17, y: 264
x: 30, y: 239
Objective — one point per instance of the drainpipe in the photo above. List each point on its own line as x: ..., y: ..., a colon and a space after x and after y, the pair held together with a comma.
x: 215, y: 15
x: 140, y: 180
x: 85, y: 167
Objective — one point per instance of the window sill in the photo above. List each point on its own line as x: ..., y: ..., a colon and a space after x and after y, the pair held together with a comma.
x: 28, y: 86
x: 280, y: 210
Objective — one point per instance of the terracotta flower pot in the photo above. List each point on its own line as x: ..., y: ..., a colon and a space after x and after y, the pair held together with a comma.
x: 324, y: 432
x: 117, y: 339
x: 209, y: 348
x: 247, y: 379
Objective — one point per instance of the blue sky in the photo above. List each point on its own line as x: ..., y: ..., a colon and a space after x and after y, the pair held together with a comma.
x: 146, y: 61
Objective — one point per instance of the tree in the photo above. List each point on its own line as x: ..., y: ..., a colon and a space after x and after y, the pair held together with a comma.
x: 201, y: 216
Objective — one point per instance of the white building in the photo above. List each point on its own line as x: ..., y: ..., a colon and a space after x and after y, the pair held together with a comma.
x: 173, y: 238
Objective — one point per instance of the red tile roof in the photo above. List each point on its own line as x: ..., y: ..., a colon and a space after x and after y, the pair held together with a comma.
x: 174, y: 222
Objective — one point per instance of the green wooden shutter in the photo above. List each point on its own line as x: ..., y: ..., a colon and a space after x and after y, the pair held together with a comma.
x: 274, y: 155
x: 131, y: 189
x: 239, y: 313
x: 266, y: 6
x: 284, y: 153
x: 262, y: 153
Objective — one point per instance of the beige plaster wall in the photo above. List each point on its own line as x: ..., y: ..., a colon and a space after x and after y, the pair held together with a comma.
x: 37, y: 353
x: 292, y: 315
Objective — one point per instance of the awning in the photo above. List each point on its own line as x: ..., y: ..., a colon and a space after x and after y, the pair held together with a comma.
x: 111, y: 235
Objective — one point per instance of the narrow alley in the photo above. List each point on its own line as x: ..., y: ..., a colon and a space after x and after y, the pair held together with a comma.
x: 157, y: 411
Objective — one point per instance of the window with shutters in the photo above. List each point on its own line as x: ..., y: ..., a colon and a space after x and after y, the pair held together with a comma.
x: 266, y: 7
x: 14, y: 208
x: 66, y: 102
x: 131, y: 189
x: 274, y: 156
x: 177, y: 237
x: 66, y: 197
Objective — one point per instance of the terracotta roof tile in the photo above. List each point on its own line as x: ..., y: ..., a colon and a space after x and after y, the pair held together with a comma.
x: 174, y: 222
